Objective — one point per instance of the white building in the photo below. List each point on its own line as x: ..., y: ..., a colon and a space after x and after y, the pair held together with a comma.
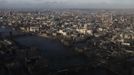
x: 34, y: 29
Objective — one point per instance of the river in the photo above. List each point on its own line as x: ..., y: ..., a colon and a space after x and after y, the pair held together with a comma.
x: 56, y: 53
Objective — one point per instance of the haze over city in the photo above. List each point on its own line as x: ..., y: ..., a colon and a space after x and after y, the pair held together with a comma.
x: 66, y: 3
x: 66, y: 37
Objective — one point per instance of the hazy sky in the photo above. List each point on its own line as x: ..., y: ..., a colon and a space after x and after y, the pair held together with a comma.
x: 76, y: 3
x: 84, y: 1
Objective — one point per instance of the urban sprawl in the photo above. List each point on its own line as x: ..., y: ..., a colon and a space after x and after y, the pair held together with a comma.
x: 104, y: 37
